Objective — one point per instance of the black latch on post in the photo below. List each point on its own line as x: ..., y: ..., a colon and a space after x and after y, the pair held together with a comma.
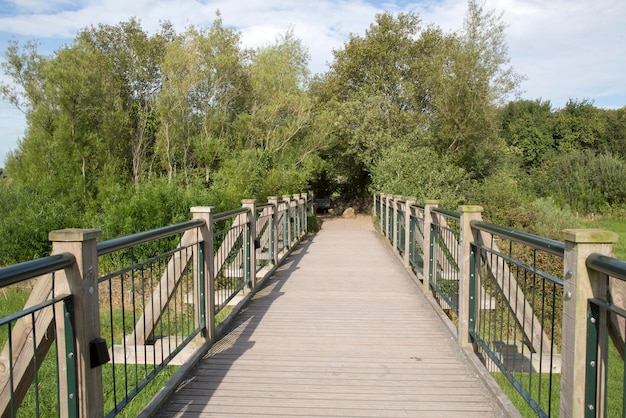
x: 98, y: 352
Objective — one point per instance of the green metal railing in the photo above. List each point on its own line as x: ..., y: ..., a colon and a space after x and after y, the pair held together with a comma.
x: 505, y: 289
x: 151, y: 307
x: 416, y: 238
x: 265, y: 236
x: 400, y: 227
x: 384, y: 217
x: 444, y: 256
x: 390, y: 215
x: 283, y: 227
x: 231, y: 245
x: 155, y: 304
x: 31, y: 353
x: 605, y: 374
x: 516, y: 314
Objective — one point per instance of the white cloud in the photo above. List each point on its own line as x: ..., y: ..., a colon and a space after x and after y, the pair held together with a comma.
x: 567, y: 48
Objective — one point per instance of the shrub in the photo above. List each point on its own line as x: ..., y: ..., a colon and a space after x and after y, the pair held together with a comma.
x: 586, y: 182
x: 27, y: 218
x: 312, y: 223
x: 549, y: 219
x: 421, y: 173
x: 504, y: 200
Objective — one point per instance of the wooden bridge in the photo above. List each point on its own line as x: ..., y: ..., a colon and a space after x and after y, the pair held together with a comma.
x: 351, y: 321
x: 340, y: 329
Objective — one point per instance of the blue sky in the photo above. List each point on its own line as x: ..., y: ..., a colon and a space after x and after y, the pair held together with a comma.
x: 566, y: 48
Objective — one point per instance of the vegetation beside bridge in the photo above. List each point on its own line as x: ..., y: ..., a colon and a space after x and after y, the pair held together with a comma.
x: 128, y: 129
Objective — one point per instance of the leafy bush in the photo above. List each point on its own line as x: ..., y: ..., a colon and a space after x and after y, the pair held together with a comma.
x: 549, y: 219
x: 312, y: 223
x: 421, y: 173
x: 504, y: 199
x: 257, y: 174
x: 27, y: 218
x: 587, y: 182
x: 127, y: 210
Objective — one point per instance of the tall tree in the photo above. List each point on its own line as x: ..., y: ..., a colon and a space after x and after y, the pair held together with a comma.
x: 134, y: 61
x: 526, y: 126
x: 278, y: 109
x: 204, y: 88
x: 578, y: 126
x: 474, y: 78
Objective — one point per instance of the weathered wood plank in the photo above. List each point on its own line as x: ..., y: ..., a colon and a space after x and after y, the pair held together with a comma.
x: 339, y: 330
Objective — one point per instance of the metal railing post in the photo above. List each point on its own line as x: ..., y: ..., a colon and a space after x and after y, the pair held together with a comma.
x: 408, y: 232
x: 250, y: 204
x: 580, y: 285
x: 468, y: 214
x: 83, y: 284
x: 429, y: 205
x: 208, y: 276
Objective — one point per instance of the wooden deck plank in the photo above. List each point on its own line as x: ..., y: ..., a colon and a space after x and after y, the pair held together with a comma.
x: 339, y: 330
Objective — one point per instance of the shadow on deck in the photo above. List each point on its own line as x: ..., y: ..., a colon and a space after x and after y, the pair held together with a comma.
x: 340, y: 329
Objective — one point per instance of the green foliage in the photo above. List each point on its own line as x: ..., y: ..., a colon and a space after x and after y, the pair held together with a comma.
x: 587, y: 182
x: 472, y: 77
x: 420, y: 173
x: 526, y: 126
x: 406, y: 108
x: 504, y: 199
x: 27, y: 218
x: 548, y: 219
x: 128, y: 209
x: 578, y: 126
x: 312, y: 223
x: 257, y: 174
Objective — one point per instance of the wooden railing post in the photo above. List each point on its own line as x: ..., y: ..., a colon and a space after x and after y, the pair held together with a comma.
x: 468, y: 214
x: 206, y: 232
x: 429, y: 205
x: 83, y: 284
x: 383, y: 212
x: 374, y: 205
x: 288, y: 215
x: 250, y: 204
x: 580, y: 285
x: 408, y: 232
x: 274, y: 201
x: 300, y: 210
x: 388, y: 226
x: 304, y: 197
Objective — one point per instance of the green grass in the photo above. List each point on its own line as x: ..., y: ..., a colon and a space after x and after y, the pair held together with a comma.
x: 615, y: 389
x: 615, y: 380
x: 44, y: 402
x: 544, y: 388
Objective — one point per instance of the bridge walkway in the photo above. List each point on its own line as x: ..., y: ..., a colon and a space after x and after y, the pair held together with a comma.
x: 339, y: 330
